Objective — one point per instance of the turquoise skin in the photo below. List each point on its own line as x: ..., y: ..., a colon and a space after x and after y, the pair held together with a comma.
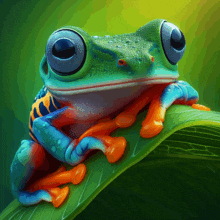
x: 95, y: 77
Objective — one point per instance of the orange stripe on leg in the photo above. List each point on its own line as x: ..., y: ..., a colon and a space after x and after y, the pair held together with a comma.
x: 46, y: 101
x: 36, y: 106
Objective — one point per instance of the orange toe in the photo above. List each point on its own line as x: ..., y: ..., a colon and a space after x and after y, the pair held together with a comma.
x: 200, y: 107
x: 58, y: 195
x: 78, y: 173
x: 59, y: 170
x: 104, y: 128
x: 151, y: 129
x: 125, y: 120
x: 115, y: 151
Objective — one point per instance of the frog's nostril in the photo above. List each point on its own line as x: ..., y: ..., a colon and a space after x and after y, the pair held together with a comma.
x: 122, y: 62
x: 63, y: 48
x: 152, y: 59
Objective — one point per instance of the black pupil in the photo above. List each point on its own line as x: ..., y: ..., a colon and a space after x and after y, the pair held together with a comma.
x: 63, y: 49
x: 177, y: 39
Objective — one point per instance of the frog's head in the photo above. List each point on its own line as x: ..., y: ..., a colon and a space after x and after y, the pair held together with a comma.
x: 76, y: 62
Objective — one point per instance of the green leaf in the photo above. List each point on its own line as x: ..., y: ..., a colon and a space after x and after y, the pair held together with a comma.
x: 188, y: 134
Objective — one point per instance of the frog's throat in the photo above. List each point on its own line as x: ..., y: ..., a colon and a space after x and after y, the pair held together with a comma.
x: 111, y: 85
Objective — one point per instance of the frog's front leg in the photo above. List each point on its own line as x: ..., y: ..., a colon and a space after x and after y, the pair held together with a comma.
x: 179, y: 92
x: 59, y: 145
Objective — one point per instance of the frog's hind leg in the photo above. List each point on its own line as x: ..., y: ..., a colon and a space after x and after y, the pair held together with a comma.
x: 30, y: 157
x: 61, y: 176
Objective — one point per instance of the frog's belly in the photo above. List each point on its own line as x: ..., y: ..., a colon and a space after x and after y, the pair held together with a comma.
x: 91, y: 107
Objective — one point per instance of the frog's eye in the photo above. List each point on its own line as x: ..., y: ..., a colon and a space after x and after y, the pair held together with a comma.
x: 65, y: 52
x: 173, y: 42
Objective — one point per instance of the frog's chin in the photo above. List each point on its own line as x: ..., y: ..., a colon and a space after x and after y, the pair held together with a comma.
x: 110, y: 85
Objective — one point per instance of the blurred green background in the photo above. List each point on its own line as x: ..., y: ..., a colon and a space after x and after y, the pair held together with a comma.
x: 26, y: 26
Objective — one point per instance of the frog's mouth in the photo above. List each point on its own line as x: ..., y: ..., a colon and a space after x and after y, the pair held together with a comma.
x: 110, y: 85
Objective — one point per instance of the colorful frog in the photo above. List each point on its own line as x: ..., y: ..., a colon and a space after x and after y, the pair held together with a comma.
x: 92, y: 86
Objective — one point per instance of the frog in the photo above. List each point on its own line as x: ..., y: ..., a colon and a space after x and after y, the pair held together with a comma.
x: 94, y: 85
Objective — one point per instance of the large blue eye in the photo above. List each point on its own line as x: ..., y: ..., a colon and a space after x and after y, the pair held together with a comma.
x: 173, y: 42
x: 65, y: 52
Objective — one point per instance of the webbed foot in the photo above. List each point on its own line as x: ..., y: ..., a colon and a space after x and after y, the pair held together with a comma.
x: 55, y: 195
x: 115, y: 147
x: 58, y: 195
x: 151, y: 129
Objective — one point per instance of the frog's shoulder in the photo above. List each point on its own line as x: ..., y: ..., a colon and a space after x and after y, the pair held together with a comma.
x: 45, y: 98
x: 44, y: 103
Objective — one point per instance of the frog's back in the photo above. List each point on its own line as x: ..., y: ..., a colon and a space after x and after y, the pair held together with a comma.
x: 44, y: 103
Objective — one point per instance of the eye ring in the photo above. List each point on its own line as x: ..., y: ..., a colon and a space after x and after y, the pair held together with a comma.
x: 173, y: 42
x: 65, y: 52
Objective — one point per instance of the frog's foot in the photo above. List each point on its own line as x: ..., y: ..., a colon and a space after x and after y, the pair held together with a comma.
x: 78, y: 173
x: 58, y: 195
x: 60, y: 177
x: 151, y: 129
x: 193, y: 104
x: 200, y: 107
x: 115, y: 147
x: 55, y: 195
x: 46, y: 188
x: 97, y: 137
